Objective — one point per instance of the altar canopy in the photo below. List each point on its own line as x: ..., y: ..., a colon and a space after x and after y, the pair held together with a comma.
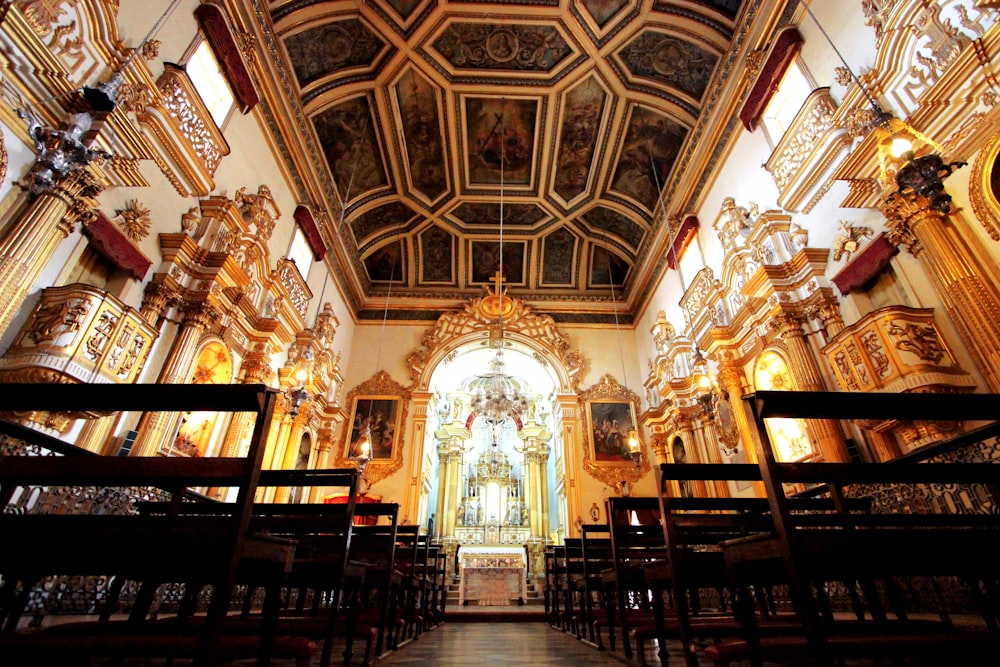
x: 492, y: 575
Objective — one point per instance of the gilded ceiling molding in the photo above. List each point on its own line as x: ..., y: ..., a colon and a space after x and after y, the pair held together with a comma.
x: 522, y: 326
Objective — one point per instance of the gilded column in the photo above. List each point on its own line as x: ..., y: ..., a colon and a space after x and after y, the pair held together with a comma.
x: 685, y: 430
x: 829, y: 436
x: 958, y: 275
x: 155, y: 300
x: 256, y: 369
x: 454, y: 482
x: 28, y: 244
x: 324, y: 452
x: 94, y: 435
x: 732, y: 381
x: 291, y: 453
x: 154, y: 427
x: 886, y: 446
x: 445, y: 527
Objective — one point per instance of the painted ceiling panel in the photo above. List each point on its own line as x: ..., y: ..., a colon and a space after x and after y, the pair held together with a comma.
x: 488, y: 215
x: 424, y: 114
x: 584, y: 108
x: 437, y: 251
x: 488, y: 46
x: 419, y: 110
x: 501, y: 138
x: 559, y: 255
x: 609, y: 221
x: 330, y: 48
x: 652, y: 142
x: 347, y: 135
x: 671, y: 61
x: 387, y: 217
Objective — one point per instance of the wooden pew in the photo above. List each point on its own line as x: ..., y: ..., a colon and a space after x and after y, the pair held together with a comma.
x: 322, y: 535
x: 598, y: 557
x: 635, y: 548
x: 842, y: 544
x: 151, y: 550
x: 371, y: 578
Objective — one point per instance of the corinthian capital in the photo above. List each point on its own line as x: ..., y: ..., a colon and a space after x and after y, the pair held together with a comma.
x: 786, y: 325
x: 201, y: 314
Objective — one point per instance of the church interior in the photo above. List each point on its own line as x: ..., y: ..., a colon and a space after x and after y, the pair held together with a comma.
x: 661, y: 329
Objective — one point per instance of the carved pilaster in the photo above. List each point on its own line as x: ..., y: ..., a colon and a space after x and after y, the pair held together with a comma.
x: 958, y: 275
x: 155, y: 301
x: 28, y: 244
x: 805, y: 369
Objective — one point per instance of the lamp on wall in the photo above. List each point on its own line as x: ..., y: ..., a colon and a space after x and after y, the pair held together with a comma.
x: 910, y: 163
x: 707, y: 395
x: 299, y: 394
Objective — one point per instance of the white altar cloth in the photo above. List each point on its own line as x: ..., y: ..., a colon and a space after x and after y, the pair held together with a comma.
x: 492, y: 574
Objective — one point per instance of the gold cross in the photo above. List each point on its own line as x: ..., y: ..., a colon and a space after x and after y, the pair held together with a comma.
x: 499, y: 279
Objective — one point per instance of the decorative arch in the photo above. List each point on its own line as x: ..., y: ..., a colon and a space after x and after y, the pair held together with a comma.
x: 524, y: 331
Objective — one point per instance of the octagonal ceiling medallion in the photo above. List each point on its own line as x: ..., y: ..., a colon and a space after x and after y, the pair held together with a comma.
x: 669, y: 60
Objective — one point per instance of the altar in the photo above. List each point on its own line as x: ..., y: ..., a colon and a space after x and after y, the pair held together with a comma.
x: 492, y: 575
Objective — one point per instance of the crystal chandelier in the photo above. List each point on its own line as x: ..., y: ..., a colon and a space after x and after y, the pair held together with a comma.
x: 497, y: 395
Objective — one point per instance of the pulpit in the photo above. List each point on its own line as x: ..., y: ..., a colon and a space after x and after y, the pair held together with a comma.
x: 492, y: 575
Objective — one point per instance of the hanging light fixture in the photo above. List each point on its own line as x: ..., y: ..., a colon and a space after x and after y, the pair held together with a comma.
x: 633, y: 441
x: 64, y: 150
x: 909, y: 161
x: 498, y: 396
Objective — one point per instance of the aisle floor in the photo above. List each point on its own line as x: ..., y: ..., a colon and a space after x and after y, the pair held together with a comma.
x: 498, y: 645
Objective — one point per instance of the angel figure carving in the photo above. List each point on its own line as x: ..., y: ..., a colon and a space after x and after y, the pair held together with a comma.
x: 848, y: 240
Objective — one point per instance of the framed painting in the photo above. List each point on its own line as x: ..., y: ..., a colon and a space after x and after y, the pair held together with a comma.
x: 609, y: 410
x: 379, y: 416
x: 378, y: 405
x: 608, y: 423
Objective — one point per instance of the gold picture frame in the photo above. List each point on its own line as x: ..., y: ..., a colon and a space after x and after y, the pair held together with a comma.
x: 380, y: 403
x: 610, y: 410
x: 984, y: 187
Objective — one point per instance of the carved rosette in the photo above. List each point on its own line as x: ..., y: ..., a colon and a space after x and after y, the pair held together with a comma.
x: 612, y: 473
x: 382, y: 385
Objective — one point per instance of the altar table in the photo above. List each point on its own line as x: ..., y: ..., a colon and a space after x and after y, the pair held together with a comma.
x: 492, y: 575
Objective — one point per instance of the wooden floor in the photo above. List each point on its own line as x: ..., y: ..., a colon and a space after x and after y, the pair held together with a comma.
x: 510, y: 642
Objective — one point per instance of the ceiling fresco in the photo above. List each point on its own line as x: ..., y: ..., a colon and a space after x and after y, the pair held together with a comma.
x: 420, y: 118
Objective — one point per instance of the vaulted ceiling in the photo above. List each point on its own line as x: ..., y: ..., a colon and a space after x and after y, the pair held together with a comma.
x: 587, y: 120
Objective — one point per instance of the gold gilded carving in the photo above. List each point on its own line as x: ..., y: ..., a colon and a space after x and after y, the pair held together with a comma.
x: 193, y: 120
x: 813, y: 121
x: 848, y: 239
x: 983, y: 193
x: 134, y: 220
x: 79, y: 333
x: 522, y: 319
x: 41, y: 14
x: 894, y: 349
x: 613, y: 473
x: 258, y: 209
x: 381, y: 385
x: 923, y: 341
x: 298, y: 292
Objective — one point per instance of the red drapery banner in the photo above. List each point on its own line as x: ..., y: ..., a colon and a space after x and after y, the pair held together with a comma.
x: 112, y: 243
